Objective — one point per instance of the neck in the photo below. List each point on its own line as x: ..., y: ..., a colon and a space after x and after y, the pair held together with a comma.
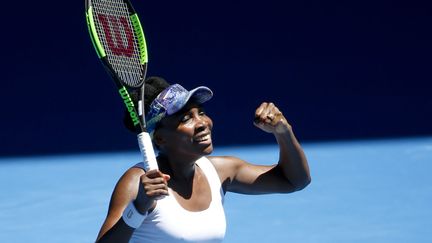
x: 179, y: 168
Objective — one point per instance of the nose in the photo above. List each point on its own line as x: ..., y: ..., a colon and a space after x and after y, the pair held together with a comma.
x: 201, y: 123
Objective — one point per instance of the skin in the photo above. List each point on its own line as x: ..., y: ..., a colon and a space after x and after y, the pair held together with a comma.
x: 185, y: 137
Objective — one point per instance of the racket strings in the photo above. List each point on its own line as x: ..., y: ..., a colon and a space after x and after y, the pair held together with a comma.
x: 115, y: 30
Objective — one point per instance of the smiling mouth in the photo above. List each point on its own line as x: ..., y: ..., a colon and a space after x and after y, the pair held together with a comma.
x: 201, y: 139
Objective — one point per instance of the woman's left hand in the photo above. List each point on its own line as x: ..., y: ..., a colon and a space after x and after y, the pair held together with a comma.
x: 270, y: 119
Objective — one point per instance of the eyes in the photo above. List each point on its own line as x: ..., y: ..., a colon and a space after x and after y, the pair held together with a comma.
x: 188, y: 116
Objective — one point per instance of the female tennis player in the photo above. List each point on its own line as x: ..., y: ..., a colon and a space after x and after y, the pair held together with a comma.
x: 182, y: 201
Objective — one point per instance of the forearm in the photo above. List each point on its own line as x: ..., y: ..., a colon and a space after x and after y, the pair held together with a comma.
x: 131, y: 218
x: 118, y: 233
x: 292, y: 160
x: 130, y: 203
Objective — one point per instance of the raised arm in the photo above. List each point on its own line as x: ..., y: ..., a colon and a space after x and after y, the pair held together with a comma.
x: 139, y: 188
x: 290, y: 173
x: 114, y: 229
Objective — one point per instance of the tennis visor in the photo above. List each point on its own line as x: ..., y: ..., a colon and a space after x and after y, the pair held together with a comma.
x: 173, y: 99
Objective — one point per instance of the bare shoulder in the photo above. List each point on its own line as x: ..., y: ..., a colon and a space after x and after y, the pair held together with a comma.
x: 132, y: 174
x: 221, y: 162
x: 126, y: 188
x: 226, y: 166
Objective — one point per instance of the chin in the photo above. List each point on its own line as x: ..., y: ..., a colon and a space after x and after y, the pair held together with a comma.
x: 208, y: 150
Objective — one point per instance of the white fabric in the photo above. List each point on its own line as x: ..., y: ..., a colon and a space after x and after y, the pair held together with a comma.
x: 132, y: 217
x: 169, y: 222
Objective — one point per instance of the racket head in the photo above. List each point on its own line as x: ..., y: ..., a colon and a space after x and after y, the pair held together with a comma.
x: 118, y: 38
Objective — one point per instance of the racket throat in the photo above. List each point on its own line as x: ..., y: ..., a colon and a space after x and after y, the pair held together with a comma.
x: 130, y: 106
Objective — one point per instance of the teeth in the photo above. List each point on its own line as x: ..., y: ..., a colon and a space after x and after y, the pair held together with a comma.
x: 204, y: 138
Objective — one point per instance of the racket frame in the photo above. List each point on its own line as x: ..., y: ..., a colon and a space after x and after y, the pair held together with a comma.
x: 137, y: 114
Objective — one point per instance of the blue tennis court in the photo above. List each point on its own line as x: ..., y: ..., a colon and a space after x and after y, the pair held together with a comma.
x: 361, y: 191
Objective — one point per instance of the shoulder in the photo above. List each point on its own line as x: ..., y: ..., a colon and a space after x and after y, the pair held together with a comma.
x: 127, y: 186
x: 222, y: 162
x: 131, y: 175
x: 125, y: 190
x: 226, y: 166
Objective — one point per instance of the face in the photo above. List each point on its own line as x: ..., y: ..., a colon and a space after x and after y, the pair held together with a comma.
x: 186, y: 132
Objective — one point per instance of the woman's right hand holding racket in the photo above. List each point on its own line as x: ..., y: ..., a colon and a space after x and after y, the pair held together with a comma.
x: 153, y: 186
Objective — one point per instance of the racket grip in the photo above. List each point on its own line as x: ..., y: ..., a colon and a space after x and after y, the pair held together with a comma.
x: 146, y: 148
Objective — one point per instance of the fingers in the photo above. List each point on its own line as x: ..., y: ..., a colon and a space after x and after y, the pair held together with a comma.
x: 155, y: 183
x: 270, y: 119
x: 267, y: 113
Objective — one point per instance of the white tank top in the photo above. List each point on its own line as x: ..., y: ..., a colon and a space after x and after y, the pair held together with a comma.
x: 169, y: 222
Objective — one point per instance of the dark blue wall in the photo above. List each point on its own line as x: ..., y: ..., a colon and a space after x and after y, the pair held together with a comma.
x: 337, y: 69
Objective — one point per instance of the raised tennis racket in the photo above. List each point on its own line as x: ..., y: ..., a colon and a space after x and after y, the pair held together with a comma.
x: 119, y: 41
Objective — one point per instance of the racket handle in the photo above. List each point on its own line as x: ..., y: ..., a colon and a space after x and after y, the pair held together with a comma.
x: 146, y: 147
x: 149, y: 157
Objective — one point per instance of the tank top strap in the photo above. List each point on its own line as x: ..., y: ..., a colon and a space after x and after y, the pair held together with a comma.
x: 212, y: 176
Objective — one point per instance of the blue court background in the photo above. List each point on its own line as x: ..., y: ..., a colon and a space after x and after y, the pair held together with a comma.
x: 353, y: 78
x: 362, y: 191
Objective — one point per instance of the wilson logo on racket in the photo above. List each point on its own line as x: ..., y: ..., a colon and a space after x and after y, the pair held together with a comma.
x: 112, y: 27
x: 130, y: 106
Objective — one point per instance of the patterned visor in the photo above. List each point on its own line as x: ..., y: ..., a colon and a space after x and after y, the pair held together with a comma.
x: 173, y: 99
